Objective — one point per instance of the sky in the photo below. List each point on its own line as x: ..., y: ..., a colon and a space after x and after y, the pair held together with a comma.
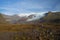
x: 11, y: 7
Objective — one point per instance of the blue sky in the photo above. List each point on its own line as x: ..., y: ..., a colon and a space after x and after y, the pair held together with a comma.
x: 28, y: 6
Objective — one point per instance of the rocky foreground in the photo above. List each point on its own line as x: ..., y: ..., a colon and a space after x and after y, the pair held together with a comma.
x: 29, y: 32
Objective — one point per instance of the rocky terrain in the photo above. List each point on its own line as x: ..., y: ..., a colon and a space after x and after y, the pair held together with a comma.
x: 44, y: 28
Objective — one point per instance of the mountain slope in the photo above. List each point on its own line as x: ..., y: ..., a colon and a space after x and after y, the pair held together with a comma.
x: 50, y: 17
x: 53, y: 17
x: 2, y: 19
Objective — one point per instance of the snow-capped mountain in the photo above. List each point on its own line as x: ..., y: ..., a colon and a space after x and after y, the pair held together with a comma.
x: 30, y: 18
x: 21, y: 18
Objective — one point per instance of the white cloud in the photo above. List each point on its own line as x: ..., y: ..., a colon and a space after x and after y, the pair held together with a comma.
x: 27, y: 14
x: 38, y: 15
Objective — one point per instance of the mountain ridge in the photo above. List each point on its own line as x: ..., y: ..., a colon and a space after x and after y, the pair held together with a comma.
x: 53, y: 17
